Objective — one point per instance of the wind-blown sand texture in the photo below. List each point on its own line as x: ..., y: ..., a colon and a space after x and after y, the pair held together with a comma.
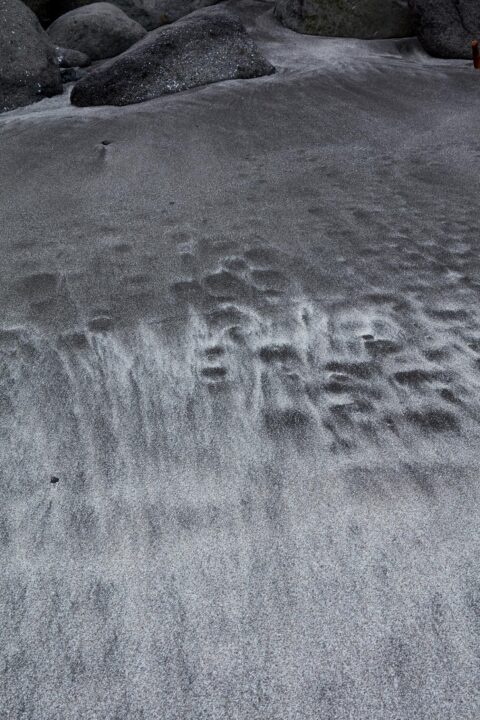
x: 241, y: 326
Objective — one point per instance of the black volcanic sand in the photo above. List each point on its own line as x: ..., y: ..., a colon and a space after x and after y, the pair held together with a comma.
x: 239, y: 395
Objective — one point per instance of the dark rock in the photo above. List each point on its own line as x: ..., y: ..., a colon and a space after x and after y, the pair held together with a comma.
x: 72, y: 74
x: 365, y: 19
x: 149, y: 13
x: 446, y: 28
x: 154, y: 13
x: 44, y: 10
x: 49, y: 10
x: 100, y: 30
x: 68, y: 58
x: 205, y: 47
x: 28, y: 65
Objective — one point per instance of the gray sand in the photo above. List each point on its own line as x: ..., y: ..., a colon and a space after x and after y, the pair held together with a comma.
x: 241, y: 326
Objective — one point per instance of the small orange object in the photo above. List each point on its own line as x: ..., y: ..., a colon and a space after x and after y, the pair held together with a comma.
x: 476, y: 54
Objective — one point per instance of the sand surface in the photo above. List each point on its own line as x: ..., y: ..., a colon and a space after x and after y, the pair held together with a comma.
x: 241, y: 326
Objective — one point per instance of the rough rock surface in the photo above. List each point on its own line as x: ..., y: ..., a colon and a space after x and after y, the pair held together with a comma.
x: 160, y: 12
x: 68, y: 58
x: 149, y: 13
x: 100, y: 30
x: 365, y: 19
x: 28, y: 65
x: 446, y: 27
x: 203, y: 48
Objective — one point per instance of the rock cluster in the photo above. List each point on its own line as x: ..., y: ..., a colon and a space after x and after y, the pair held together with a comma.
x: 156, y: 47
x: 149, y: 13
x: 188, y: 47
x: 445, y: 28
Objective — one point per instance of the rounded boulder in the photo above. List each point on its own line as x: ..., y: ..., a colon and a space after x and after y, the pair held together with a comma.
x: 99, y: 30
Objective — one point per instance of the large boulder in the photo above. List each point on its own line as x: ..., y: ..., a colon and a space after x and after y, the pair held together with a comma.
x: 28, y: 65
x: 367, y: 19
x: 100, y: 30
x: 446, y: 28
x: 202, y: 48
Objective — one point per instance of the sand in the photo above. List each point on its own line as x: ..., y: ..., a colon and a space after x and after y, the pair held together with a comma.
x: 240, y: 326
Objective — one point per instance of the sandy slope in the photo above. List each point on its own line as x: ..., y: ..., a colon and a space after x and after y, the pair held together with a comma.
x: 245, y: 335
